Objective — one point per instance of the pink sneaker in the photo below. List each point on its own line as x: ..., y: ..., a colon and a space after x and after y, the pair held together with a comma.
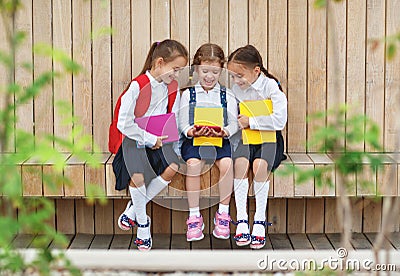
x: 195, y: 227
x: 221, y: 229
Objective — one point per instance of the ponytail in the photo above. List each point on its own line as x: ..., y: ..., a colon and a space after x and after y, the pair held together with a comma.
x: 149, y: 59
x: 269, y: 75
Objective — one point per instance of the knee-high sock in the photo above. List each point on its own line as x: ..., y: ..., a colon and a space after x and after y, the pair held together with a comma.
x: 138, y: 196
x: 261, y: 191
x: 155, y: 186
x: 241, y: 188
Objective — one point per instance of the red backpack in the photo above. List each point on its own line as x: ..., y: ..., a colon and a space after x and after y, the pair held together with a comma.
x: 115, y: 137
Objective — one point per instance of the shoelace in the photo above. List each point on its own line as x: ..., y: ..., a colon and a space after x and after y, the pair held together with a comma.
x: 193, y: 225
x: 223, y: 222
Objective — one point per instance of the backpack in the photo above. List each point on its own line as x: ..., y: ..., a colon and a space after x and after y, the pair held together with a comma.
x: 192, y: 104
x: 115, y: 137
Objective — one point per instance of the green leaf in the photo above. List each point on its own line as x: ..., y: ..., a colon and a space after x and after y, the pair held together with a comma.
x: 319, y: 4
x: 391, y: 51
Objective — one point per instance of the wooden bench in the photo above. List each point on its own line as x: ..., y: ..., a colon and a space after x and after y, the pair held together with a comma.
x: 292, y: 207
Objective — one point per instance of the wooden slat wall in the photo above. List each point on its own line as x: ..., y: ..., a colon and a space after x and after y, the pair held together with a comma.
x: 317, y: 215
x: 291, y: 36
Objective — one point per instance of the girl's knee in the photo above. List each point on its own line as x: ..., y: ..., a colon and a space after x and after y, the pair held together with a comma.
x: 137, y: 180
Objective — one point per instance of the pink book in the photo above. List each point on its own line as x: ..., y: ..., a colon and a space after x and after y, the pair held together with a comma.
x: 160, y: 125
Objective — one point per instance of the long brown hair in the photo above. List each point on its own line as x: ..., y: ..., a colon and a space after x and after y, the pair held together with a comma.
x: 167, y: 49
x: 250, y: 57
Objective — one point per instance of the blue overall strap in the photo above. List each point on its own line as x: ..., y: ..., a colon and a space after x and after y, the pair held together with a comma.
x: 192, y: 104
x: 224, y: 104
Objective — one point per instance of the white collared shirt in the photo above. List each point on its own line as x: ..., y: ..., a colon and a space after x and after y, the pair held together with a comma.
x: 212, y: 98
x: 265, y: 88
x: 158, y: 105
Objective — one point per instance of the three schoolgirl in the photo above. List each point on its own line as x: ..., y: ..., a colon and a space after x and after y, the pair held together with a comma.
x: 156, y: 163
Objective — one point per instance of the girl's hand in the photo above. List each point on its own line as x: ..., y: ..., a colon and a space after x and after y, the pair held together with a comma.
x: 204, y: 131
x: 243, y: 121
x: 159, y: 142
x: 222, y: 133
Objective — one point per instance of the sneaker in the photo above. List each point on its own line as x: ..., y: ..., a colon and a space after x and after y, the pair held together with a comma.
x: 221, y: 229
x: 195, y: 227
x: 124, y: 222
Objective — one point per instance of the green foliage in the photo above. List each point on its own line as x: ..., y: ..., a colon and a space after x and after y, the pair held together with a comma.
x: 35, y: 213
x: 341, y: 138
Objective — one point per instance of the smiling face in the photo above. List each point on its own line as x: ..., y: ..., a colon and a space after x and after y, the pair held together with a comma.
x: 209, y: 73
x: 169, y: 71
x: 242, y: 75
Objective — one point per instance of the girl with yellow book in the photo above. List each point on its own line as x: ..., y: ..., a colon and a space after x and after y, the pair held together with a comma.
x: 263, y: 114
x: 207, y: 118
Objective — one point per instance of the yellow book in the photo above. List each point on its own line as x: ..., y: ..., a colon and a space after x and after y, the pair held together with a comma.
x: 208, y: 116
x: 254, y: 109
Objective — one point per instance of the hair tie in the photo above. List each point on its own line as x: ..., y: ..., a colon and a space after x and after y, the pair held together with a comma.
x: 279, y: 83
x: 158, y: 43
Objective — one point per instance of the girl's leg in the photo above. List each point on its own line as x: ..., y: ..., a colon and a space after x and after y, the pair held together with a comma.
x: 138, y: 194
x: 261, y: 188
x: 194, y: 223
x: 241, y: 188
x: 160, y: 182
x: 194, y: 167
x: 225, y: 185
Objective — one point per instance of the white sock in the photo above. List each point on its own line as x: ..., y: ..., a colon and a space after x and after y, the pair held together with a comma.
x: 195, y: 211
x: 222, y: 208
x: 241, y: 188
x: 138, y: 196
x: 261, y: 191
x: 155, y: 187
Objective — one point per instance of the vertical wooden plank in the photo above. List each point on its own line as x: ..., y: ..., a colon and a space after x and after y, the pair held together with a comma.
x: 336, y: 67
x: 296, y: 216
x: 97, y: 176
x: 258, y: 33
x: 160, y: 20
x: 357, y: 205
x: 75, y: 175
x: 205, y: 181
x: 101, y: 72
x: 392, y: 82
x: 219, y: 27
x: 366, y: 181
x: 277, y: 215
x: 3, y: 70
x: 43, y: 104
x: 82, y: 53
x: 65, y: 216
x: 238, y: 24
x: 303, y: 163
x: 23, y: 76
x: 277, y: 38
x: 297, y: 76
x: 322, y: 161
x: 177, y: 187
x: 140, y: 20
x: 375, y: 64
x: 110, y: 180
x: 32, y: 184
x: 199, y: 24
x: 386, y: 178
x: 331, y: 220
x: 315, y: 211
x: 180, y: 21
x: 355, y: 67
x: 372, y: 218
x: 178, y: 219
x: 162, y: 216
x: 121, y: 48
x: 57, y: 182
x: 316, y: 69
x: 84, y: 217
x: 103, y: 218
x: 62, y: 35
x: 284, y: 185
